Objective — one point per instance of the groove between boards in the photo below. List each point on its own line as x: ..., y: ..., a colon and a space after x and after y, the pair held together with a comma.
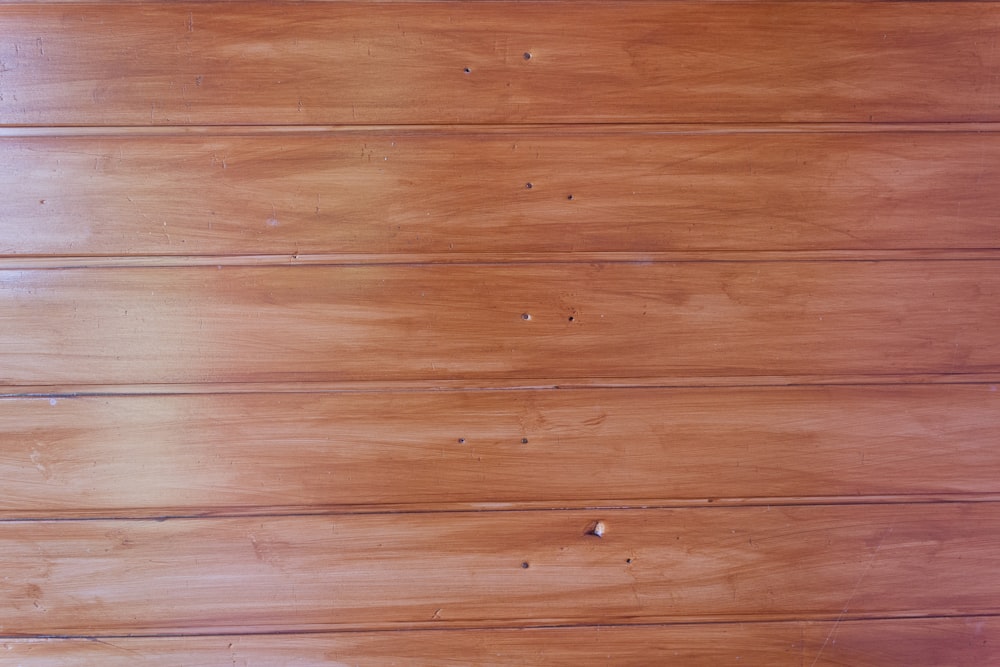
x: 458, y: 628
x: 534, y: 2
x: 432, y: 626
x: 518, y: 384
x: 147, y: 514
x: 26, y: 263
x: 526, y: 129
x: 563, y: 129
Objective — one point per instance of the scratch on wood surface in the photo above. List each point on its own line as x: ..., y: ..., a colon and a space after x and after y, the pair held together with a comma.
x: 112, y: 645
x: 850, y: 599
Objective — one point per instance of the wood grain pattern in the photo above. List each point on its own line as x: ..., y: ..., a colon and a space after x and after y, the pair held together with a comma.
x: 475, y: 323
x: 170, y: 455
x: 429, y: 333
x: 273, y: 63
x: 497, y: 568
x: 959, y: 642
x: 467, y: 192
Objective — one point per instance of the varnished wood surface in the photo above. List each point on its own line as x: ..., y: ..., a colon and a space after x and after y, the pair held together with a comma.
x: 454, y: 192
x: 216, y: 453
x: 295, y: 367
x: 201, y: 576
x: 272, y: 63
x: 959, y: 642
x: 477, y: 323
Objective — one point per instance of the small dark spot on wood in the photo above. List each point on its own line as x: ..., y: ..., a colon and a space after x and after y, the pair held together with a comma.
x: 525, y: 565
x: 525, y: 316
x: 524, y: 441
x: 572, y: 319
x: 628, y: 561
x: 528, y: 186
x: 467, y: 70
x: 461, y: 441
x: 569, y: 197
x: 527, y: 56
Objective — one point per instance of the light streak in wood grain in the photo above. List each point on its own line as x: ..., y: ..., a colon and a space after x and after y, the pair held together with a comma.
x: 850, y: 599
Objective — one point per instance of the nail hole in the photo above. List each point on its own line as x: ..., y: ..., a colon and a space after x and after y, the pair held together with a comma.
x: 527, y: 56
x: 525, y: 565
x: 525, y: 316
x: 461, y: 441
x: 467, y: 70
x: 572, y: 319
x: 524, y: 441
x: 528, y: 186
x: 570, y: 197
x: 628, y: 560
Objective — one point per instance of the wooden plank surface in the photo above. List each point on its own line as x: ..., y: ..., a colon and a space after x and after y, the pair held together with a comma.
x: 272, y: 63
x: 476, y: 323
x: 182, y: 455
x: 489, y: 569
x: 467, y: 192
x: 959, y: 642
x: 366, y: 430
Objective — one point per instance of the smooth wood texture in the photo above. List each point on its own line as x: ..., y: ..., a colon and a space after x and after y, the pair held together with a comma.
x: 498, y: 568
x: 477, y: 323
x: 459, y: 192
x: 272, y: 63
x: 160, y: 455
x: 958, y: 642
x: 296, y: 368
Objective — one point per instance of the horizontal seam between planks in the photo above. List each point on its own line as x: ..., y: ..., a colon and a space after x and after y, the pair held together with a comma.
x: 76, y: 262
x: 585, y: 3
x: 473, y: 385
x: 901, y: 617
x: 464, y: 129
x: 697, y: 505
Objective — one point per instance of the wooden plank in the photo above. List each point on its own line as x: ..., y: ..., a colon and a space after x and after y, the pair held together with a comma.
x: 912, y: 642
x: 353, y: 62
x: 476, y: 323
x: 498, y: 569
x: 183, y: 455
x: 459, y: 192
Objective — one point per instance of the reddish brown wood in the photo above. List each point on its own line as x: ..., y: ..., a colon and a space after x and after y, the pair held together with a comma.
x: 351, y: 62
x: 447, y: 292
x: 476, y: 323
x: 455, y: 192
x: 498, y: 568
x: 170, y: 455
x: 963, y: 642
